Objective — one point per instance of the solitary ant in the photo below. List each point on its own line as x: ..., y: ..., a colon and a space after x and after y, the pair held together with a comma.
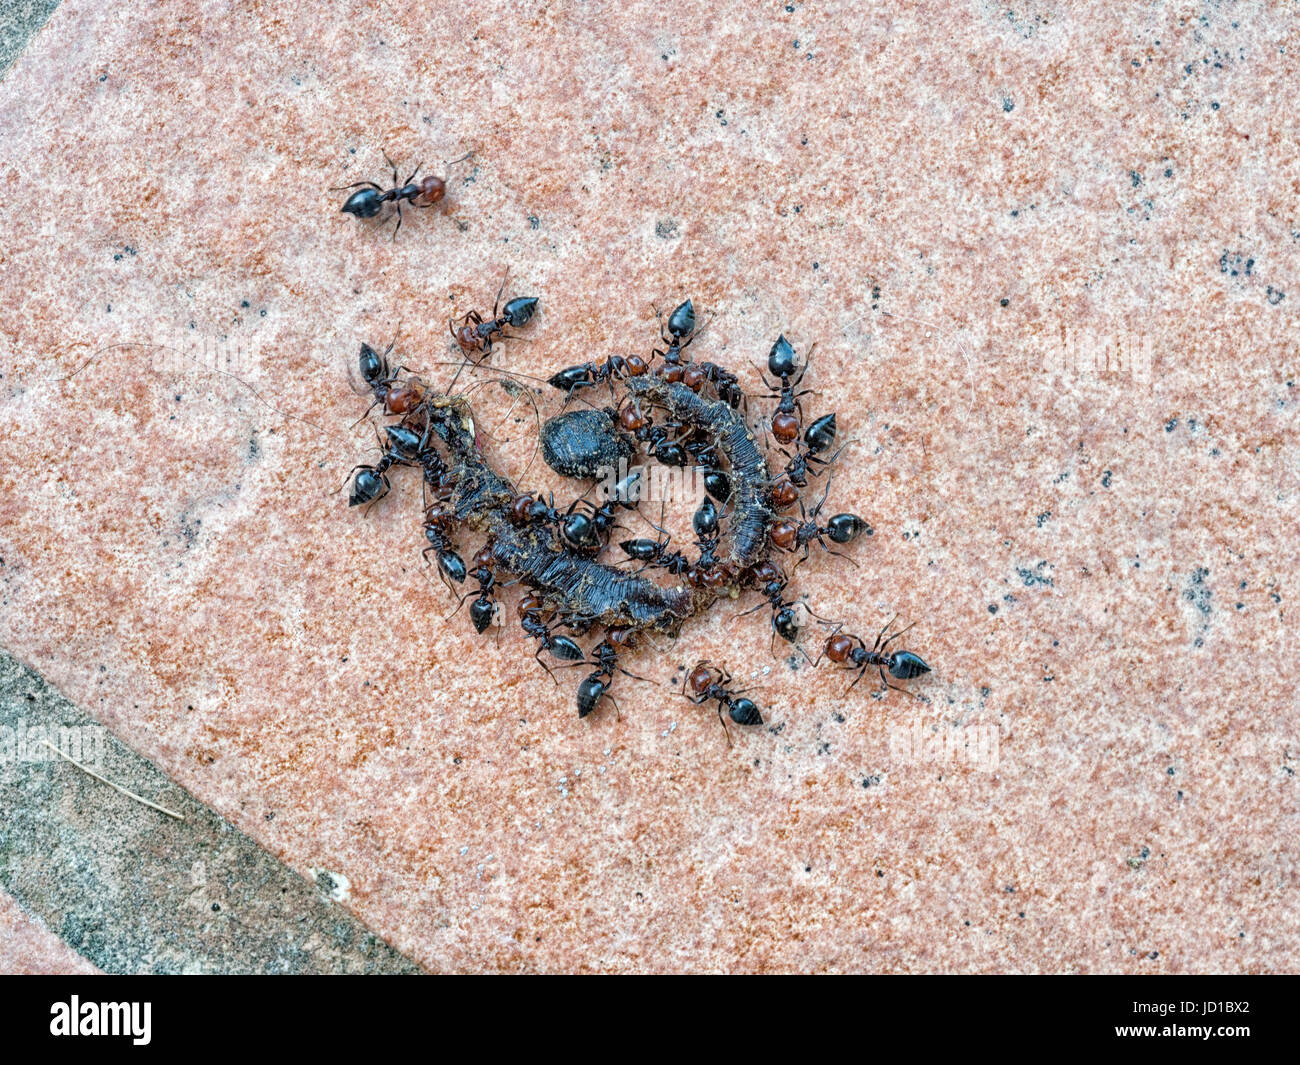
x: 707, y: 683
x: 475, y: 335
x: 790, y: 535
x: 788, y: 416
x: 849, y: 651
x: 369, y: 199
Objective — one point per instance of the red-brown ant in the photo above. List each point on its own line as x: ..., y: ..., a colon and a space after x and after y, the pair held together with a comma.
x: 369, y: 199
x: 591, y: 374
x: 847, y: 650
x: 707, y: 684
x: 474, y: 337
x: 790, y: 535
x: 484, y: 610
x: 788, y: 416
x: 381, y: 379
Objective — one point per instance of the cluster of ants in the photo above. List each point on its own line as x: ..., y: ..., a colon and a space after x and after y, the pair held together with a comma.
x: 672, y: 410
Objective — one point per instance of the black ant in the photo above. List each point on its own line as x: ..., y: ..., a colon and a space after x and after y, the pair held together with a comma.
x: 770, y: 580
x: 404, y: 448
x: 655, y: 553
x: 439, y: 520
x: 790, y: 535
x: 849, y: 651
x: 788, y: 416
x: 706, y: 684
x: 605, y: 659
x: 679, y: 333
x: 591, y: 374
x: 369, y: 199
x: 484, y: 610
x: 587, y: 533
x: 381, y: 379
x: 725, y: 384
x: 475, y: 335
x: 530, y: 620
x: 805, y: 463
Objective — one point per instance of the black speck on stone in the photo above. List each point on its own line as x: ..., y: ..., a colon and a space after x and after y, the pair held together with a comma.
x: 1135, y: 177
x: 1171, y: 425
x: 245, y: 304
x: 880, y: 873
x: 1214, y: 106
x: 261, y: 314
x: 216, y: 907
x: 1008, y: 104
x: 1170, y: 771
x: 1004, y: 302
x: 1105, y: 479
x: 789, y: 9
x: 666, y: 228
x: 1169, y: 171
x: 534, y: 221
x: 993, y: 608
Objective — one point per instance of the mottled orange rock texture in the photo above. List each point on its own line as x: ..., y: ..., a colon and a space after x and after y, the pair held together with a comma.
x: 1048, y: 257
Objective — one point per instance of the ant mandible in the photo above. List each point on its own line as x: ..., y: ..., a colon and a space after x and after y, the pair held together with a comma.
x: 369, y: 199
x: 849, y: 651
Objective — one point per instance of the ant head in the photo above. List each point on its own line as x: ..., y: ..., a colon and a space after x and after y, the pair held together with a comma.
x: 430, y: 190
x: 781, y: 359
x: 364, y: 203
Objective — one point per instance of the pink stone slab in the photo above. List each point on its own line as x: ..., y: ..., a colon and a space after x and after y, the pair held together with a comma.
x: 177, y: 557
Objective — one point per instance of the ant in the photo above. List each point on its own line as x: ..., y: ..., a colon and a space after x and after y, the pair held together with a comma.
x: 770, y: 580
x: 438, y: 523
x: 605, y: 659
x: 586, y: 533
x: 484, y: 610
x: 782, y: 362
x: 475, y: 335
x: 591, y: 374
x: 375, y: 371
x: 790, y: 535
x: 404, y: 448
x: 369, y: 199
x: 849, y: 651
x: 707, y: 684
x: 530, y: 620
x: 725, y: 383
x: 655, y: 553
x: 679, y: 333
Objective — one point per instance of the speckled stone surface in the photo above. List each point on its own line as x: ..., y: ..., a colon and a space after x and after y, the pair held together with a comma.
x: 960, y: 204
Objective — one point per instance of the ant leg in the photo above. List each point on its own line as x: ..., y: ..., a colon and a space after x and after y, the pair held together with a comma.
x: 723, y: 721
x: 896, y: 635
x: 413, y: 173
x: 397, y: 228
x: 540, y: 648
x: 392, y: 165
x: 876, y: 646
x: 355, y: 185
x: 862, y: 672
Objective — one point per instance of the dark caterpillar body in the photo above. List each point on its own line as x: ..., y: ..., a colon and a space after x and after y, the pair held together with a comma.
x: 745, y: 540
